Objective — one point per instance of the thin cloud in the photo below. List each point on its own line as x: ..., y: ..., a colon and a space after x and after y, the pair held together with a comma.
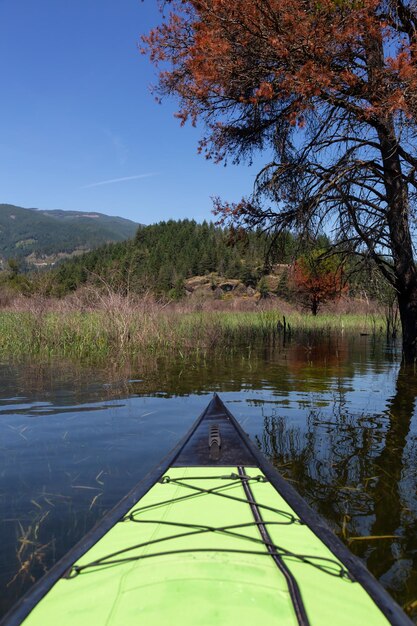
x: 110, y: 181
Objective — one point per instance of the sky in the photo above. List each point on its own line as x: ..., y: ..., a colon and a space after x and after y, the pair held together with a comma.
x: 79, y: 128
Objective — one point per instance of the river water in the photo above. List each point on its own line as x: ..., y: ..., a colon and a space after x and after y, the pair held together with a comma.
x: 336, y: 414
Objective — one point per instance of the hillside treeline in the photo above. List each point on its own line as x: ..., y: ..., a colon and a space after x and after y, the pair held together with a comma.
x: 163, y: 255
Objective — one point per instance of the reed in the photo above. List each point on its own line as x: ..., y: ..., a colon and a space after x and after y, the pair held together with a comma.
x: 123, y: 330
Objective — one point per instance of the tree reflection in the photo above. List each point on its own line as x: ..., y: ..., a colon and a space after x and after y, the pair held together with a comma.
x: 394, y: 493
x: 359, y: 472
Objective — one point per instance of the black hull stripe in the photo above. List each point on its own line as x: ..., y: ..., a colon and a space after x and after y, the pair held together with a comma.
x: 293, y: 588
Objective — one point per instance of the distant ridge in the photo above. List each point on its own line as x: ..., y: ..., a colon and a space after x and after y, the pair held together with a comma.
x: 42, y: 237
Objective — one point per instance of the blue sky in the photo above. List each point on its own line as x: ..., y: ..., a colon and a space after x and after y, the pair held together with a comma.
x: 76, y: 113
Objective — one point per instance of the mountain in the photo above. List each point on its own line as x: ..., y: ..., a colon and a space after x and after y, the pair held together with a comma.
x: 42, y: 237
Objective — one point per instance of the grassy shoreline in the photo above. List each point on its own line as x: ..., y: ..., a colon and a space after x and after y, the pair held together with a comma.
x: 119, y: 333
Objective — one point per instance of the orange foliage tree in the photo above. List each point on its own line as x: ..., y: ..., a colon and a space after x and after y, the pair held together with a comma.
x: 317, y: 279
x: 328, y: 90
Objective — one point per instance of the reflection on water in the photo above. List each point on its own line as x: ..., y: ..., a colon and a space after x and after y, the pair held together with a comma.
x: 335, y: 414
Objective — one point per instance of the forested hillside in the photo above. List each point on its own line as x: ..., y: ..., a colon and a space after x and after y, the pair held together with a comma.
x: 34, y: 234
x: 163, y: 255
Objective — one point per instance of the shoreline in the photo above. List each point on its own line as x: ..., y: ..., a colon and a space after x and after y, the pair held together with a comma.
x: 120, y: 333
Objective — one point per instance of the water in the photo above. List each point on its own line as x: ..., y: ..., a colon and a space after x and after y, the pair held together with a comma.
x: 335, y: 414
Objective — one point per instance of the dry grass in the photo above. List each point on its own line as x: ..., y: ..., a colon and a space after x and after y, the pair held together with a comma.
x: 99, y: 326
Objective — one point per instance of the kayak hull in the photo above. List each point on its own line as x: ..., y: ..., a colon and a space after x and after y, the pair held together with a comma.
x: 214, y: 535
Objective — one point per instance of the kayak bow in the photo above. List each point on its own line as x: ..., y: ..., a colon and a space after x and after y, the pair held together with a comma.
x: 213, y: 536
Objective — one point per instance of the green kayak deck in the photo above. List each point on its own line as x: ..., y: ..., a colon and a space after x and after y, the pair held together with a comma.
x: 208, y: 543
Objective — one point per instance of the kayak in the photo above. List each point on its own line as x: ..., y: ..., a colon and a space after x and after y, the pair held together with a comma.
x: 214, y: 535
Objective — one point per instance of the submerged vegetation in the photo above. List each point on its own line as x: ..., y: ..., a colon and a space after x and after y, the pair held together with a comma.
x: 121, y: 329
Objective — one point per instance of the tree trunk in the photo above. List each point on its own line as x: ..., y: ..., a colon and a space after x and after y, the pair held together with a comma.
x: 401, y: 244
x: 407, y: 304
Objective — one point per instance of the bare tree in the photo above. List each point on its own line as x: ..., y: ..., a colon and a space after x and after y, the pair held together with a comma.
x: 328, y: 92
